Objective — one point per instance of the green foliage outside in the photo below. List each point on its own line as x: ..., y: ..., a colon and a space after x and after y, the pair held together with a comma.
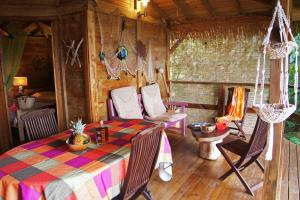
x: 292, y: 127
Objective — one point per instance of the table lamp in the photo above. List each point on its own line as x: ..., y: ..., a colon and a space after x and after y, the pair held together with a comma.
x: 20, y: 81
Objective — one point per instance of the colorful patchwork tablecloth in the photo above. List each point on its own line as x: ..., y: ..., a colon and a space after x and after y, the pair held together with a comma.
x: 47, y: 169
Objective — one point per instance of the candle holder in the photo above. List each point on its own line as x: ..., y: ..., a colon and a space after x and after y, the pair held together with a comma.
x: 102, y: 135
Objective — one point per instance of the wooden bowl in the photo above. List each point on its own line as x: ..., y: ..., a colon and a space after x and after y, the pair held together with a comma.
x: 208, y: 128
x: 74, y: 147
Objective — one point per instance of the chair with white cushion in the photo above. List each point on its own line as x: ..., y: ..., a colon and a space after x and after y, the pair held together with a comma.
x: 126, y: 103
x: 156, y: 109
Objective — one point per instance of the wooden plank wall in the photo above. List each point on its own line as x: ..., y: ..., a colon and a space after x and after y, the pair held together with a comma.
x: 72, y: 29
x: 111, y: 31
x: 36, y: 63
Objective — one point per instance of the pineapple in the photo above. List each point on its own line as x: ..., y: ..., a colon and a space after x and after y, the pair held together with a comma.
x: 77, y: 127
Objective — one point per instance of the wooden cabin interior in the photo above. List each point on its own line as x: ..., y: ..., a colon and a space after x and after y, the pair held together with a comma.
x: 74, y: 57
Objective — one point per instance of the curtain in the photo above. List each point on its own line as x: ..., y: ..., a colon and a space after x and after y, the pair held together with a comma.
x: 12, y: 49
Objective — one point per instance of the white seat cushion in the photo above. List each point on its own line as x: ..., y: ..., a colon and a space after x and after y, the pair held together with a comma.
x: 168, y: 117
x: 152, y: 101
x: 126, y: 103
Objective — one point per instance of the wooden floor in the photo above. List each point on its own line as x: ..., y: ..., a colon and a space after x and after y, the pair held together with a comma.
x: 196, y: 178
x: 291, y: 171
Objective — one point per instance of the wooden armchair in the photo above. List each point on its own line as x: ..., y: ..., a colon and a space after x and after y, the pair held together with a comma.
x: 143, y: 156
x: 40, y: 124
x: 248, y: 152
x: 181, y: 120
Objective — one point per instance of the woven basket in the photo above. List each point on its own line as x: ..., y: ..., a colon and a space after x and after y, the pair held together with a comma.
x: 279, y: 50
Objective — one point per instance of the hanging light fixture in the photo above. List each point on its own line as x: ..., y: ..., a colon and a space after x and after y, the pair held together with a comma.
x: 144, y: 4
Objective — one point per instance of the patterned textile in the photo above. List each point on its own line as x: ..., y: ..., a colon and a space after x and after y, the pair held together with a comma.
x: 47, y: 169
x: 236, y: 107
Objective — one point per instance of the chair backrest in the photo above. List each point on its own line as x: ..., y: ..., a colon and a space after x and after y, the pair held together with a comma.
x: 229, y: 99
x: 40, y: 123
x: 153, y: 102
x: 125, y: 100
x: 258, y: 140
x: 112, y: 112
x: 143, y: 157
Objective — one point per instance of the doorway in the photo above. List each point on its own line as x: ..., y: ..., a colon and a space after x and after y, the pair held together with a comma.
x: 37, y: 66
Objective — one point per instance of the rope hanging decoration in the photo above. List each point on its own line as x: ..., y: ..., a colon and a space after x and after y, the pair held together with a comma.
x: 280, y: 111
x: 117, y: 63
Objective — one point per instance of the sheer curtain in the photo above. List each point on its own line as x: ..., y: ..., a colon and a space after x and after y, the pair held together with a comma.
x: 12, y: 49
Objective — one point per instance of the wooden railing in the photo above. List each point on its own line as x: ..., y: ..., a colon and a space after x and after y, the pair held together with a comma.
x: 295, y: 116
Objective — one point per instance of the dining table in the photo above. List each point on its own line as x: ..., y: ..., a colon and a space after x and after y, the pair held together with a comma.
x: 48, y: 169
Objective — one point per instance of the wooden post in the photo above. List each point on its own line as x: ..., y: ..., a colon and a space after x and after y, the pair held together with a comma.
x: 60, y: 87
x: 91, y: 70
x: 139, y: 78
x: 5, y: 133
x: 167, y: 70
x: 273, y: 173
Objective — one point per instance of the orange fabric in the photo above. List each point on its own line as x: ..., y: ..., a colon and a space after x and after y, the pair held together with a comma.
x: 236, y: 107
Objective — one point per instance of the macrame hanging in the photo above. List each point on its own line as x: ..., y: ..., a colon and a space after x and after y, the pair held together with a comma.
x: 280, y: 111
x: 117, y: 63
x: 149, y: 69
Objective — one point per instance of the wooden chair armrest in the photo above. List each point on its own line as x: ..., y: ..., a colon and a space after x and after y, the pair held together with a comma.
x: 179, y: 104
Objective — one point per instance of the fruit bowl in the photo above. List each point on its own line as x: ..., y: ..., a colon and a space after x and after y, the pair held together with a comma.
x: 75, y: 147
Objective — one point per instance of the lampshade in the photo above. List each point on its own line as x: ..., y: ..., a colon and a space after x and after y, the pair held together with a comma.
x: 145, y: 2
x: 20, y: 81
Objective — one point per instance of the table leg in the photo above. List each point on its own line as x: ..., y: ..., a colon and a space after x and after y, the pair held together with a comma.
x: 209, y: 150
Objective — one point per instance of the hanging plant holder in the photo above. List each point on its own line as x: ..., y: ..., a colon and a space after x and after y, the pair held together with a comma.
x: 279, y: 111
x: 280, y: 50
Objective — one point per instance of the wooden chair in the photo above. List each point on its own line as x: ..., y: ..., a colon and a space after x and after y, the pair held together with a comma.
x: 143, y: 157
x: 248, y: 152
x: 239, y: 123
x: 40, y: 124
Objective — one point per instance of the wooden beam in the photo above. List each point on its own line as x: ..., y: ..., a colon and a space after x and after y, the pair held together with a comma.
x: 266, y: 2
x: 200, y: 25
x: 157, y: 8
x: 238, y: 6
x: 273, y: 172
x: 5, y: 131
x: 91, y: 83
x: 31, y: 27
x: 45, y: 28
x: 177, y: 43
x: 208, y: 7
x: 184, y: 8
x: 59, y: 78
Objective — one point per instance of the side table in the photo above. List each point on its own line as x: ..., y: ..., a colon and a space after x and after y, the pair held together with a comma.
x: 208, y: 141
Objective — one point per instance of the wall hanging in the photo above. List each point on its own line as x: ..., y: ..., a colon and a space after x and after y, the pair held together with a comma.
x: 72, y: 52
x: 117, y: 62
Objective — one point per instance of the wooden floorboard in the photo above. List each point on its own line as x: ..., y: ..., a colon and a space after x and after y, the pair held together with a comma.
x: 293, y: 173
x: 285, y: 169
x: 197, y: 179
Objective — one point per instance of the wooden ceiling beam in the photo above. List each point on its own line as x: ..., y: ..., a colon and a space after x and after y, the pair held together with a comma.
x: 266, y: 2
x: 31, y: 27
x: 208, y: 7
x: 238, y: 6
x: 184, y: 8
x: 157, y: 8
x: 45, y: 29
